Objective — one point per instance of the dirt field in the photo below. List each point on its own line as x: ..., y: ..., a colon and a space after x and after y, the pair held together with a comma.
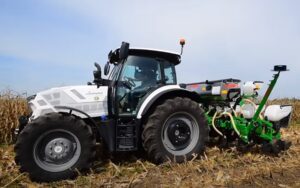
x: 226, y: 168
x: 215, y: 169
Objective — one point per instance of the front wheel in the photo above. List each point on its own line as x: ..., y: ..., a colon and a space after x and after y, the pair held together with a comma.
x: 175, y: 131
x: 54, y: 146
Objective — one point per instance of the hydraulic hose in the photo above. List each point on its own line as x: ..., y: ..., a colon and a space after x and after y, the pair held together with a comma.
x: 232, y: 122
x: 214, y: 126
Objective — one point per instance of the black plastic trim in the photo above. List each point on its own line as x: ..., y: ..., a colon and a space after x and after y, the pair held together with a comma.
x: 76, y: 110
x: 106, y: 129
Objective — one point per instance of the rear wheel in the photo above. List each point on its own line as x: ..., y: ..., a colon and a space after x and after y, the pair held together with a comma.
x: 54, y: 147
x: 175, y: 131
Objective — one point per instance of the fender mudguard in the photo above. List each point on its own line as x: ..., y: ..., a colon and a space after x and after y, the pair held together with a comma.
x: 162, y: 93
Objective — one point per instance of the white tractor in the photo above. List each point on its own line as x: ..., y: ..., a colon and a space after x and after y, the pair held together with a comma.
x: 139, y: 106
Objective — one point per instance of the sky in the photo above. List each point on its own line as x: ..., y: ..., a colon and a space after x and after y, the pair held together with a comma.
x: 52, y: 43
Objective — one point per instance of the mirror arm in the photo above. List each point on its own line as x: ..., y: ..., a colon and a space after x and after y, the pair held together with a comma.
x: 102, y: 82
x: 106, y: 82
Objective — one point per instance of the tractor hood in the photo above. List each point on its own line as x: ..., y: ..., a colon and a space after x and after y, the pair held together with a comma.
x: 86, y: 98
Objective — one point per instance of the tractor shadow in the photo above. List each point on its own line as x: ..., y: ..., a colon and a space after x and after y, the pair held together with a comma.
x: 104, y: 158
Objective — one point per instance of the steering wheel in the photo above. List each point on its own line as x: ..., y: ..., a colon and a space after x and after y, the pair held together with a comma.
x: 129, y: 82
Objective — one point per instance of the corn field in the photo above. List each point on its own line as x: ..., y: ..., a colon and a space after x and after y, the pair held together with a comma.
x: 13, y: 106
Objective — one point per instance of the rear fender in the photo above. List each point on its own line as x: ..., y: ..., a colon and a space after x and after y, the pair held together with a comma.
x: 161, y: 94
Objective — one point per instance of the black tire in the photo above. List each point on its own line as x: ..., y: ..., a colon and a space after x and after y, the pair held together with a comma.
x: 55, y: 147
x: 184, y: 118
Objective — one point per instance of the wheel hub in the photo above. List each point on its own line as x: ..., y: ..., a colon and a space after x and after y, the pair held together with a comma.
x: 59, y: 149
x: 179, y: 133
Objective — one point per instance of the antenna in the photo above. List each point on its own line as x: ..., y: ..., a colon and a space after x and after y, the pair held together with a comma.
x: 182, y: 43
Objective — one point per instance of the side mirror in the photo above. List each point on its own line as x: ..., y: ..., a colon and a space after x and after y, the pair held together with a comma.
x: 124, y: 50
x: 106, y: 68
x: 97, y: 73
x: 110, y: 54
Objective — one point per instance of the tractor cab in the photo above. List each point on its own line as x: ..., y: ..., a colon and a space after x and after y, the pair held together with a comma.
x: 136, y: 73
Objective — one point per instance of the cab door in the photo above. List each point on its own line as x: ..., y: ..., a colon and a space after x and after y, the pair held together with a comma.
x: 138, y: 77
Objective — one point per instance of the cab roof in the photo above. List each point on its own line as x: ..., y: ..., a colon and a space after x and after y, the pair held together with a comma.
x: 172, y: 57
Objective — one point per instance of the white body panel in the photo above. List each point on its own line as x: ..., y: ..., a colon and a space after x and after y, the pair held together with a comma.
x: 152, y: 95
x: 86, y: 98
x: 276, y: 112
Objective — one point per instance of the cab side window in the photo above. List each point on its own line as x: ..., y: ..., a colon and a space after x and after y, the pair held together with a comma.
x: 169, y: 72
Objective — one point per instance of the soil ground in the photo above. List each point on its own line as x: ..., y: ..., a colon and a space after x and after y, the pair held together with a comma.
x: 216, y: 168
